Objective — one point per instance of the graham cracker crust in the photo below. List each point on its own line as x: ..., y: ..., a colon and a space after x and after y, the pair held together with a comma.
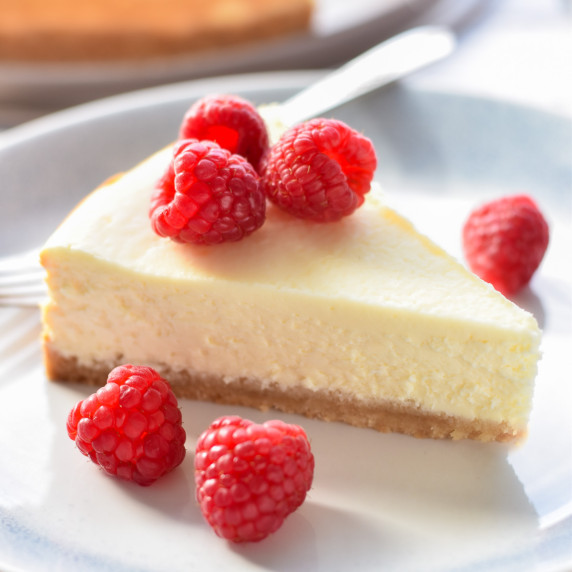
x: 384, y: 416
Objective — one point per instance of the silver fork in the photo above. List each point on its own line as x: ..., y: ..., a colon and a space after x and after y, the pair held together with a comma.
x: 21, y: 280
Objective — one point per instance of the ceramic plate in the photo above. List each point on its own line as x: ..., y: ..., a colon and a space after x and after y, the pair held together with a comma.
x: 379, y: 502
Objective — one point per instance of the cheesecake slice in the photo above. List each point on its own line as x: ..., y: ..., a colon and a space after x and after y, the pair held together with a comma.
x: 363, y: 321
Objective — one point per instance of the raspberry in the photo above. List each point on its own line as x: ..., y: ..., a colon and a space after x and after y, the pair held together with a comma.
x: 504, y: 242
x: 131, y: 426
x: 250, y: 477
x: 319, y: 170
x: 207, y: 196
x: 230, y: 121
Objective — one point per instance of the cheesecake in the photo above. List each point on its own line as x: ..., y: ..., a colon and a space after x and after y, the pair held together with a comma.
x: 104, y: 30
x: 364, y: 321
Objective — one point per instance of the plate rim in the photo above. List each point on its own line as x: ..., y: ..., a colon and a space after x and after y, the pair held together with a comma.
x: 280, y: 80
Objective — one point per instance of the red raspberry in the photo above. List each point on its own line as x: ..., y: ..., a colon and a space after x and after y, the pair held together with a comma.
x: 319, y: 170
x: 250, y: 477
x: 504, y: 242
x: 131, y: 426
x: 207, y: 196
x: 230, y: 121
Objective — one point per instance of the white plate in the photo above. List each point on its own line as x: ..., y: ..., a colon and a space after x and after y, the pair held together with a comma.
x: 339, y: 30
x: 379, y: 502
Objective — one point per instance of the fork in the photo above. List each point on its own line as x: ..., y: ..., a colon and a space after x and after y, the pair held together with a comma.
x: 21, y: 280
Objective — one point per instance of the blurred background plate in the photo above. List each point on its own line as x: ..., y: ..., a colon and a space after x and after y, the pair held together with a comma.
x: 340, y: 30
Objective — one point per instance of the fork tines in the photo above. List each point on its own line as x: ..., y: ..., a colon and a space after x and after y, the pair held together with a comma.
x: 21, y: 280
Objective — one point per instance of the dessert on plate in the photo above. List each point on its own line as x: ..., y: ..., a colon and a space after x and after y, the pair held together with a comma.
x: 362, y: 320
x: 61, y: 30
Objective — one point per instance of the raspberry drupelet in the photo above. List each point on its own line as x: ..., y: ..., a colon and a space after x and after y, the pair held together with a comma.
x: 207, y: 196
x: 250, y: 477
x: 232, y: 122
x: 504, y: 242
x: 319, y: 170
x: 131, y: 427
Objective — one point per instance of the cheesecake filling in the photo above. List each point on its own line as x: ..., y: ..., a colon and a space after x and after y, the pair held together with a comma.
x: 102, y: 312
x: 364, y: 308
